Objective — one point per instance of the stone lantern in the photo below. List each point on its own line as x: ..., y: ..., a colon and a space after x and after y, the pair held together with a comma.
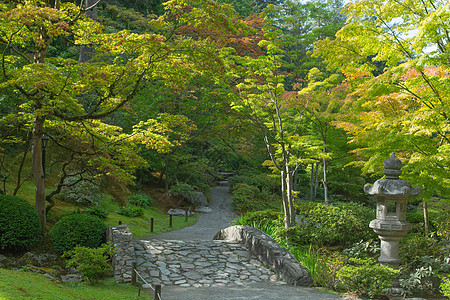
x: 392, y: 199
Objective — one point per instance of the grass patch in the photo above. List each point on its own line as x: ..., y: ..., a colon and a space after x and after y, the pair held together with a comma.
x: 27, y: 285
x: 140, y: 226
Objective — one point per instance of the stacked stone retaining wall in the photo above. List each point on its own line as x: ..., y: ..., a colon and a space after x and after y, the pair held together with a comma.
x: 124, y: 256
x: 280, y: 260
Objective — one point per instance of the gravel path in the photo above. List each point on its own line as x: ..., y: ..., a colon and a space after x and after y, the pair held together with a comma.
x: 207, y: 224
x: 204, y: 230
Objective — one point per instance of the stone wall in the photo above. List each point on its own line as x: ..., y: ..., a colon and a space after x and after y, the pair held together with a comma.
x: 278, y: 259
x: 124, y: 256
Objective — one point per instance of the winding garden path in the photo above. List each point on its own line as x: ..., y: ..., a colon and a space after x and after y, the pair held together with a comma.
x: 190, y: 265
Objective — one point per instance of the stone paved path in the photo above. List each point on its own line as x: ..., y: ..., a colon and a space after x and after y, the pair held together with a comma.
x: 190, y: 265
x: 194, y: 263
x: 189, y: 256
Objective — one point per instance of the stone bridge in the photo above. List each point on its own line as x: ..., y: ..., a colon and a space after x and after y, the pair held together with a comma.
x: 239, y: 255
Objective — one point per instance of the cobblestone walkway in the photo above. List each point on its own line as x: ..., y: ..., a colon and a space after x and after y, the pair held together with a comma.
x: 198, y: 263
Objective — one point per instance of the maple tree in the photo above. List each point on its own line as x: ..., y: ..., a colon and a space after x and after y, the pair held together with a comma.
x: 326, y: 96
x: 262, y: 98
x: 301, y: 24
x: 57, y: 92
x: 395, y: 55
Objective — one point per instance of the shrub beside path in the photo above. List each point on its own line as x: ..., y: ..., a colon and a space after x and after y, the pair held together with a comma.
x: 238, y: 286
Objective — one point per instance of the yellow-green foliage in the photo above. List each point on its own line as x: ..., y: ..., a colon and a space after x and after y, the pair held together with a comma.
x: 92, y: 263
x: 366, y: 277
x: 445, y: 287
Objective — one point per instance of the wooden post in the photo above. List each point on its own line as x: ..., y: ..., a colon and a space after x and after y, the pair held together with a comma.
x: 152, y: 221
x: 157, y: 292
x: 186, y: 215
x: 120, y: 222
x: 170, y: 220
x: 133, y: 274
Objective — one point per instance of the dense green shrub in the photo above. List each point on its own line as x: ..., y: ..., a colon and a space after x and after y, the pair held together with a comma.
x: 414, y: 217
x: 445, y: 287
x: 182, y: 190
x: 248, y: 198
x: 131, y: 211
x: 97, y: 211
x: 329, y: 263
x: 245, y: 197
x: 92, y: 263
x: 77, y: 230
x: 252, y: 192
x: 141, y: 200
x: 20, y: 227
x: 241, y: 179
x: 413, y: 247
x: 268, y: 215
x: 198, y: 174
x: 422, y: 281
x: 442, y: 224
x: 418, y: 222
x: 366, y: 277
x: 422, y: 259
x: 332, y: 225
x: 270, y: 182
x: 363, y: 249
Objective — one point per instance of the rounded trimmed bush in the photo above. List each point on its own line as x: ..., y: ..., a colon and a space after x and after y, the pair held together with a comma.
x: 77, y: 230
x: 20, y: 226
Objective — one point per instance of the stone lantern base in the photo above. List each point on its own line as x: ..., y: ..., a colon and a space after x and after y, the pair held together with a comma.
x: 390, y: 234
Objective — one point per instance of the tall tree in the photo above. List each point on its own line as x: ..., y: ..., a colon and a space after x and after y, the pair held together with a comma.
x: 56, y: 89
x: 261, y: 97
x: 395, y: 55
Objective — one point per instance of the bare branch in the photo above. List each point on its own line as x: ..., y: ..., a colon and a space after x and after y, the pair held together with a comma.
x: 83, y: 10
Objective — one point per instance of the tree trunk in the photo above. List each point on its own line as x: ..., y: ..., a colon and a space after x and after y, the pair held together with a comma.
x: 315, y: 181
x: 285, y: 200
x: 426, y: 221
x: 325, y: 185
x: 38, y: 172
x: 311, y: 184
x: 22, y: 164
x: 290, y: 198
x: 86, y: 52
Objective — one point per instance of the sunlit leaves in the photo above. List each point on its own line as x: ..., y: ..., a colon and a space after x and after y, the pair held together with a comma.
x: 395, y: 56
x: 164, y: 133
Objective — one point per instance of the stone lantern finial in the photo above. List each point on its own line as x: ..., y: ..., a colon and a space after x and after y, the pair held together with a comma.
x: 392, y: 167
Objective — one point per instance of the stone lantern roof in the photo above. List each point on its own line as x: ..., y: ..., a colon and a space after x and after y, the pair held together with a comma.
x: 391, y: 185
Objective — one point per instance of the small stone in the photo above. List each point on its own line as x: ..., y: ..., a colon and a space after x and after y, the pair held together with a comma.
x: 164, y: 271
x: 165, y: 278
x: 180, y: 282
